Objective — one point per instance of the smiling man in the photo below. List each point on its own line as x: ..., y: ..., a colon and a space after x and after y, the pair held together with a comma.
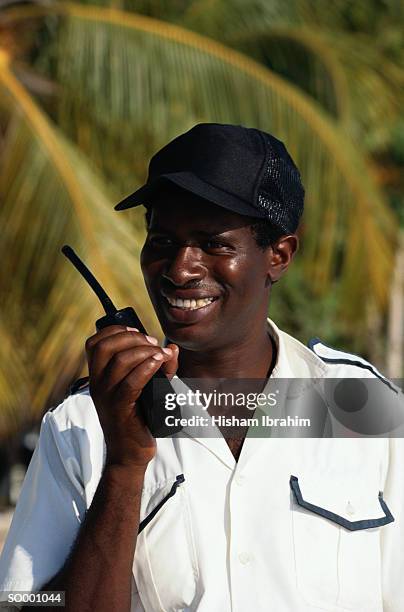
x: 225, y: 522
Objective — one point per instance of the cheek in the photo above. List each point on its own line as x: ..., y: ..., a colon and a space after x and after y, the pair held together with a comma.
x: 145, y: 268
x: 149, y: 265
x: 143, y: 259
x: 245, y: 276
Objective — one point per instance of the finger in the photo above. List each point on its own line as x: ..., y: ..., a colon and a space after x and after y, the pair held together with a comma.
x: 100, y: 335
x: 100, y: 353
x: 170, y: 366
x: 132, y: 385
x: 110, y: 330
x: 122, y: 363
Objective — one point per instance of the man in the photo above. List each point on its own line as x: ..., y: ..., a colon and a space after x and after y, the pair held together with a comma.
x: 122, y: 521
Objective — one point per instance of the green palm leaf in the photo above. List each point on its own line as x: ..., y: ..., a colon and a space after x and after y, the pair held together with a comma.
x: 14, y: 382
x: 146, y: 80
x: 128, y: 84
x: 51, y: 196
x: 355, y: 76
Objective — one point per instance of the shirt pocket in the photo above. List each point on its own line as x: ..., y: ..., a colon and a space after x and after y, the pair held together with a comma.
x: 336, y: 528
x: 165, y: 564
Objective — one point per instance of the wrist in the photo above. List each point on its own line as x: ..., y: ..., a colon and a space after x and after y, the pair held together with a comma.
x: 125, y: 471
x: 123, y: 482
x: 125, y: 467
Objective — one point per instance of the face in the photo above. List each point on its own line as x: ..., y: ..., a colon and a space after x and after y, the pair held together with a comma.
x: 206, y: 277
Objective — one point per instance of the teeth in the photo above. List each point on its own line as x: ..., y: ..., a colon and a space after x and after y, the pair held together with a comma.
x: 190, y: 304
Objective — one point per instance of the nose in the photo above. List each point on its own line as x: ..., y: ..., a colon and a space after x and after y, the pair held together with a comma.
x: 186, y: 266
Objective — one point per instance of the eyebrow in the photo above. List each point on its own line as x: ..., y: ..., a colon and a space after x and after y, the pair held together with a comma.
x: 159, y: 228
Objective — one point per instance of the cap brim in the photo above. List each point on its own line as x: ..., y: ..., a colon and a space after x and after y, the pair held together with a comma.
x: 192, y: 183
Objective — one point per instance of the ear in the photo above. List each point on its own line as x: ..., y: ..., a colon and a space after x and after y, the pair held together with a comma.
x: 280, y: 256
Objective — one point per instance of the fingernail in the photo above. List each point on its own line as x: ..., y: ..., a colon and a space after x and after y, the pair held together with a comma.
x: 158, y: 357
x: 132, y: 329
x: 152, y: 340
x: 168, y: 351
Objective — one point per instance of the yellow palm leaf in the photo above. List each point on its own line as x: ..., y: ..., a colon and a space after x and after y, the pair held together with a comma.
x: 51, y: 196
x: 129, y: 83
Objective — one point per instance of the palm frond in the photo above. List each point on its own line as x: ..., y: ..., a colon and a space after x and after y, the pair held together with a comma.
x: 305, y: 58
x: 146, y: 80
x: 14, y: 381
x: 356, y: 75
x: 50, y: 196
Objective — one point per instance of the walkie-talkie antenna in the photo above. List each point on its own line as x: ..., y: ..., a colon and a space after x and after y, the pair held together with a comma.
x: 90, y: 278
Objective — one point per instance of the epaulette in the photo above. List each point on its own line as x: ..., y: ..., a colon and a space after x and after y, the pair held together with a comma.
x: 332, y: 355
x: 78, y: 385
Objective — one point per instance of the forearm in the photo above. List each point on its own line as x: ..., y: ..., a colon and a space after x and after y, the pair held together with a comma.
x: 98, y: 572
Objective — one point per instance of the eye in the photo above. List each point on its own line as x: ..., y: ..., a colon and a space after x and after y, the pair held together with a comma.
x: 214, y: 245
x: 161, y: 241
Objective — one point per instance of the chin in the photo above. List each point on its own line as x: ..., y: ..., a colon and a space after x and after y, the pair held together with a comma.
x: 190, y: 337
x: 190, y: 329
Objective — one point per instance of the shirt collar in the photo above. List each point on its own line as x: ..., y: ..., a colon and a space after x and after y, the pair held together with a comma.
x: 294, y: 360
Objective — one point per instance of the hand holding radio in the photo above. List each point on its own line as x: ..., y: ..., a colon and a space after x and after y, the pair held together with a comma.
x: 129, y: 378
x: 121, y: 362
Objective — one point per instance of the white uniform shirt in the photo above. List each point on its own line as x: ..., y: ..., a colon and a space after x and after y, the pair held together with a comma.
x: 233, y: 537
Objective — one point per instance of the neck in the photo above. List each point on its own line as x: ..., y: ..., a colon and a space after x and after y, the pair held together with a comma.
x: 251, y: 357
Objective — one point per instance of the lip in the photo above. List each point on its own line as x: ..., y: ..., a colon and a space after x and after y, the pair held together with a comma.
x: 188, y: 295
x: 179, y: 315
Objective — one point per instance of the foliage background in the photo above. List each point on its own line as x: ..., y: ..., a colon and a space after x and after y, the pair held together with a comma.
x: 90, y: 90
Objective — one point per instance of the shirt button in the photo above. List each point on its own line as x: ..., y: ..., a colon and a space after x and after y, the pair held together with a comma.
x: 244, y: 558
x: 350, y: 509
x: 239, y: 479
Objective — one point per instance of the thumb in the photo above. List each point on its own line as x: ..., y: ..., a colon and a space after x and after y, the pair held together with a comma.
x: 170, y: 366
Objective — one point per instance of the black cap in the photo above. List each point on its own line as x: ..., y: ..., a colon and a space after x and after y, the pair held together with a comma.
x: 241, y: 169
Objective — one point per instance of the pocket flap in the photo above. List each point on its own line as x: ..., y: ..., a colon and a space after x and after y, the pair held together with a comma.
x: 165, y: 565
x: 331, y: 503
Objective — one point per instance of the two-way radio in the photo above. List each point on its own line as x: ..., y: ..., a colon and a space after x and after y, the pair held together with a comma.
x: 152, y: 399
